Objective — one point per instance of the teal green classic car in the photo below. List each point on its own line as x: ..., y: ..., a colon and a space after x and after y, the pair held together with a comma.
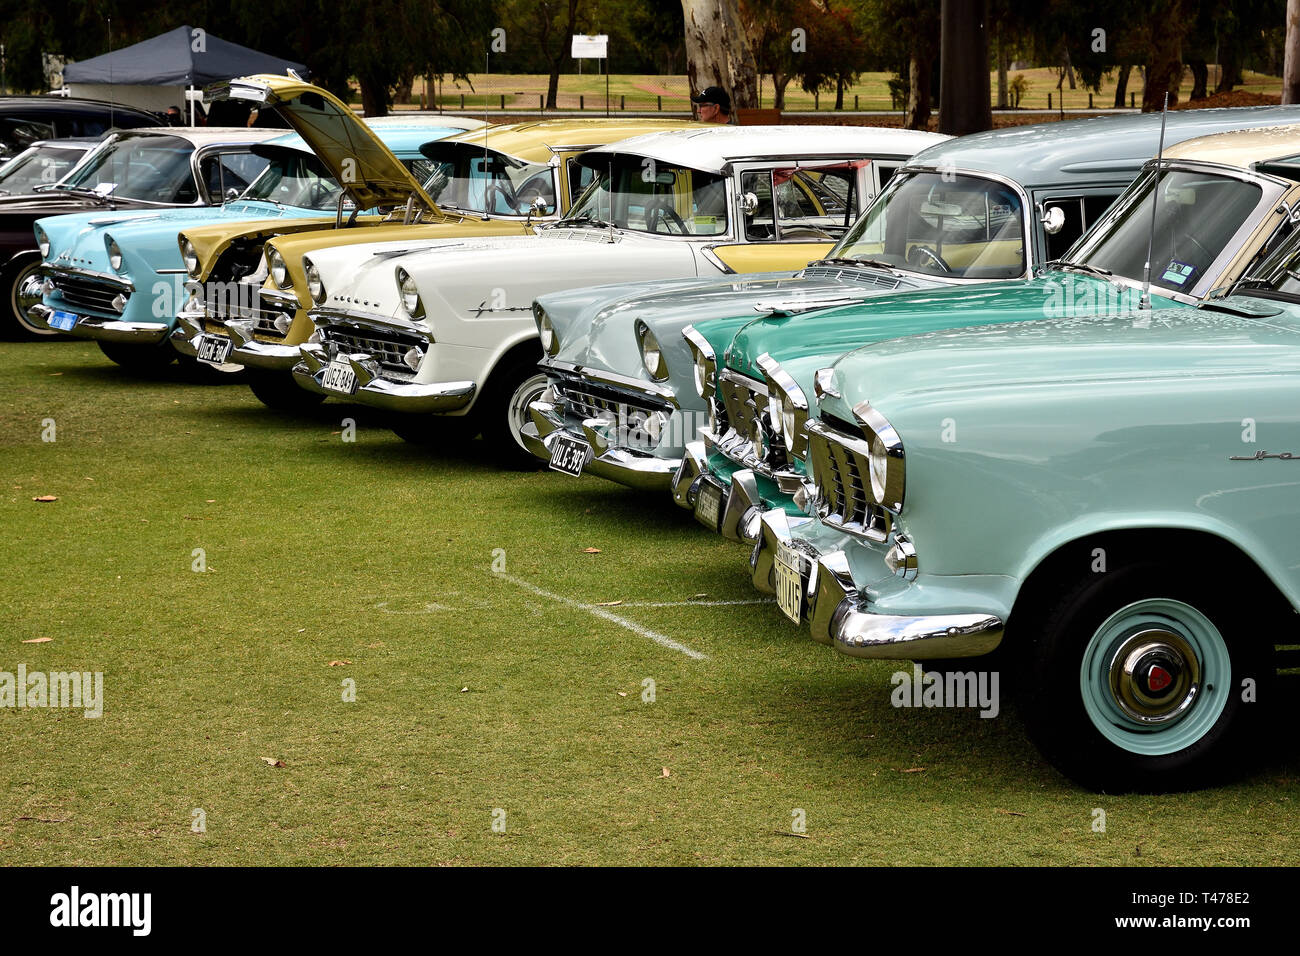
x: 1220, y: 202
x: 621, y: 403
x: 1110, y: 504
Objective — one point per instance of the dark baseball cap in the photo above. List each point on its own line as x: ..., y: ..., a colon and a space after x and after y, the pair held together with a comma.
x: 715, y: 95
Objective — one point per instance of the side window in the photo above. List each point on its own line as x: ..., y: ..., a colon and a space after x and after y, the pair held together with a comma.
x: 1080, y: 213
x: 760, y: 224
x: 223, y: 172
x: 886, y: 172
x: 580, y: 177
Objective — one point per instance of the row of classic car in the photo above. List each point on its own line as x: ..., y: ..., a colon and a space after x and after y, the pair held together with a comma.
x: 980, y: 398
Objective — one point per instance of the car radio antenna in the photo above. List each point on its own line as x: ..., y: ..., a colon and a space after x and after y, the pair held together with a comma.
x: 1145, y: 301
x: 489, y: 183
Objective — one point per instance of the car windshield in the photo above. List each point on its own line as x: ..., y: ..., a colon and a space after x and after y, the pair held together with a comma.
x: 1196, y: 217
x: 467, y: 180
x: 942, y: 224
x: 148, y: 168
x: 648, y: 197
x: 38, y: 166
x: 297, y: 180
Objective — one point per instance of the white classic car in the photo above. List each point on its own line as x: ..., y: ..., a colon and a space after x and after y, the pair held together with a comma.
x: 447, y: 327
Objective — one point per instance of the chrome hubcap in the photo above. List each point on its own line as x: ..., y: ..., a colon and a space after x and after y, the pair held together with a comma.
x: 1155, y: 676
x: 22, y: 299
x: 529, y: 391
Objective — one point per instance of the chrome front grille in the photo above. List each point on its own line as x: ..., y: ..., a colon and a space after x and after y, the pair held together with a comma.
x: 388, y: 348
x: 841, y: 465
x: 582, y: 400
x: 82, y: 293
x: 745, y: 402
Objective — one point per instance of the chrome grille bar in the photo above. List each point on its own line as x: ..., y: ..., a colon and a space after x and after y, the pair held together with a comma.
x: 841, y: 468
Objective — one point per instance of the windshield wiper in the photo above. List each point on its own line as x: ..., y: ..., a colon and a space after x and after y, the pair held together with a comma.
x: 88, y: 193
x: 849, y: 261
x: 586, y: 219
x: 1078, y: 267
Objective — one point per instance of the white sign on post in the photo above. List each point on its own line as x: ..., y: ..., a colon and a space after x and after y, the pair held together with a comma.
x: 590, y: 48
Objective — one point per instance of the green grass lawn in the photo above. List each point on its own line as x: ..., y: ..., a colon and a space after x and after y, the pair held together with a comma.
x: 641, y: 92
x: 474, y: 693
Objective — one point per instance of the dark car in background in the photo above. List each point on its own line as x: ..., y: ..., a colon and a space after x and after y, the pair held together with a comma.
x: 41, y: 164
x: 26, y: 119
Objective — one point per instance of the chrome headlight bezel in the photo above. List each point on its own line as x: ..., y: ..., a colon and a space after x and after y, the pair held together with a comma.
x: 546, y: 330
x: 409, y: 293
x: 652, y: 356
x: 190, y: 257
x: 704, y: 363
x: 42, y: 242
x: 114, y: 253
x: 887, y: 462
x: 788, y: 403
x: 278, y: 269
x: 315, y: 284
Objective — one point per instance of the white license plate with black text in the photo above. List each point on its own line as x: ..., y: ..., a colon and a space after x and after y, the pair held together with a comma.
x: 339, y: 377
x: 788, y: 572
x: 214, y: 349
x: 708, y: 505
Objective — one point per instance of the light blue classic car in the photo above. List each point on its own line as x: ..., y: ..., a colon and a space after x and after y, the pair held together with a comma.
x: 621, y: 378
x: 1110, y: 504
x: 1200, y: 217
x: 119, y: 278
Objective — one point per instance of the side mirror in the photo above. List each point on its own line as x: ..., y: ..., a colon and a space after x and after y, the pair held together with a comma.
x: 1053, y: 220
x: 540, y: 206
x: 231, y: 194
x: 749, y: 204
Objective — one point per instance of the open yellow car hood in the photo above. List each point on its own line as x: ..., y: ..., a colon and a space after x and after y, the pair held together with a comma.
x: 363, y: 166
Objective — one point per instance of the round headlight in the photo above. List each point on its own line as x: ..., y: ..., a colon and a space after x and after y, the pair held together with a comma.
x: 546, y: 330
x: 879, y: 468
x: 410, y: 294
x: 652, y: 357
x: 191, y: 257
x: 42, y: 242
x: 114, y: 255
x: 315, y: 286
x: 279, y: 271
x: 701, y: 375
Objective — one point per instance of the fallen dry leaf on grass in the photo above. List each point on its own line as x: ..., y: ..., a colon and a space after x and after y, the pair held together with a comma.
x: 610, y: 603
x: 272, y: 762
x: 591, y: 550
x: 665, y: 773
x: 1013, y: 813
x: 342, y: 663
x: 46, y: 498
x: 464, y: 690
x: 913, y: 770
x: 211, y: 501
x: 622, y: 693
x: 801, y: 836
x: 39, y: 640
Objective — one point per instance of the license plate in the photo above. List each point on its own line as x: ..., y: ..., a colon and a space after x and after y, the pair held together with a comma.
x: 789, y: 582
x: 339, y: 377
x: 63, y: 321
x: 214, y: 349
x: 708, y: 505
x: 568, y: 455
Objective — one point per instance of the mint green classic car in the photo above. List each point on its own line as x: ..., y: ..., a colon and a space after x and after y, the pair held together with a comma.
x: 1220, y: 202
x: 1110, y: 504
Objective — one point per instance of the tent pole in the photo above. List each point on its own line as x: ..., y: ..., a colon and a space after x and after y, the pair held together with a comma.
x: 191, y: 99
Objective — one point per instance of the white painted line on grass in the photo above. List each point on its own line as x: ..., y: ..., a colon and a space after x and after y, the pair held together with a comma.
x: 696, y: 603
x: 605, y: 615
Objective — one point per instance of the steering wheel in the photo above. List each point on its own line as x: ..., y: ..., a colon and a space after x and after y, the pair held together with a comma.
x: 657, y: 213
x: 319, y: 194
x: 916, y: 254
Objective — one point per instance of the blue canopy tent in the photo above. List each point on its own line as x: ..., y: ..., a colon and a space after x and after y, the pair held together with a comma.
x: 187, y: 57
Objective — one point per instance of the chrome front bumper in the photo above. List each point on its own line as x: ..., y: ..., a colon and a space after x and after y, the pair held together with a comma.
x: 841, y: 615
x: 641, y: 470
x: 741, y: 508
x: 103, y: 329
x: 244, y: 349
x: 380, y: 392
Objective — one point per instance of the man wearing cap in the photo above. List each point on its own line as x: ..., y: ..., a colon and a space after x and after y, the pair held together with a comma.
x: 714, y: 104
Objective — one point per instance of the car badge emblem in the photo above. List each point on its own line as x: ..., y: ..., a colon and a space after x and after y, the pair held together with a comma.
x: 1158, y: 678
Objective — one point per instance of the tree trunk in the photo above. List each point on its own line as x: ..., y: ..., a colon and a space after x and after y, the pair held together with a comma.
x: 1164, y: 72
x: 779, y: 82
x: 374, y: 97
x: 1121, y: 85
x: 553, y: 86
x: 1003, y: 66
x: 718, y: 51
x: 1291, y: 57
x: 1069, y: 67
x: 963, y: 68
x: 1200, y: 78
x: 839, y: 92
x: 918, y: 93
